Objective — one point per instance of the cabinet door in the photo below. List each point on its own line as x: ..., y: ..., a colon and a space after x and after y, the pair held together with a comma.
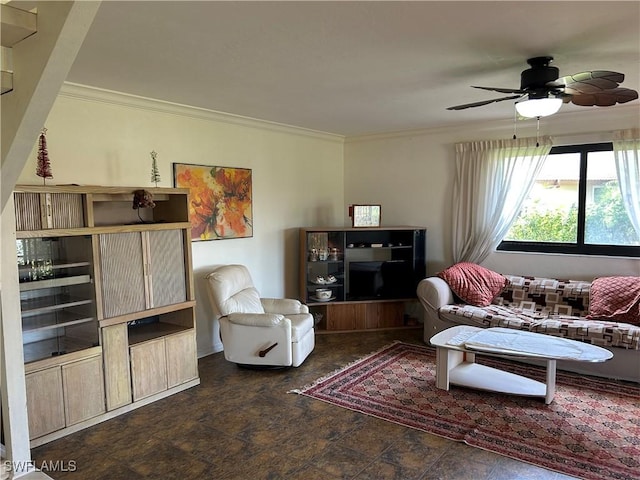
x: 115, y: 348
x: 385, y: 315
x: 166, y: 268
x: 57, y: 297
x: 38, y: 211
x: 123, y: 279
x: 45, y: 402
x: 346, y: 316
x: 83, y: 387
x: 182, y: 362
x: 148, y: 368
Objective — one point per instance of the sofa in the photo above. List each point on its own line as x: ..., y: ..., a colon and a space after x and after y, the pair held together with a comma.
x: 563, y: 308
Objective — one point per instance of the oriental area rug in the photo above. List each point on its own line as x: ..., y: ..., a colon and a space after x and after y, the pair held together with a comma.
x: 591, y: 430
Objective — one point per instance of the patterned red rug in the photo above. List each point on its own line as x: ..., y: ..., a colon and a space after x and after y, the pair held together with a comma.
x: 591, y: 430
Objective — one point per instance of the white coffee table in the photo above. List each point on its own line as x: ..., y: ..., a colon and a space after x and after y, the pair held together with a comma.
x: 457, y: 347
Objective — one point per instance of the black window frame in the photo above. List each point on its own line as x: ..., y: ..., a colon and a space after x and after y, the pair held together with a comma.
x: 580, y: 247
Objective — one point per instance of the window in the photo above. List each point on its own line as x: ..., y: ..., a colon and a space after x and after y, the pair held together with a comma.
x: 575, y: 206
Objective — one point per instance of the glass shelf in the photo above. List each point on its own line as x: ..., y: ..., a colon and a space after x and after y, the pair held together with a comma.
x: 57, y: 297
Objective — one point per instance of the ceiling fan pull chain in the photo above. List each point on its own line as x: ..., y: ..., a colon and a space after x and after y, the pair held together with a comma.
x: 538, y: 132
x: 515, y: 121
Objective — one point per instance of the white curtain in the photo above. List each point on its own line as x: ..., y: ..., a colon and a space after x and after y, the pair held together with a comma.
x: 626, y: 148
x: 492, y: 180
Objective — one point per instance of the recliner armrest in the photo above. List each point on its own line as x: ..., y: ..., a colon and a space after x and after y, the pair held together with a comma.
x: 257, y: 319
x: 433, y: 293
x: 285, y: 306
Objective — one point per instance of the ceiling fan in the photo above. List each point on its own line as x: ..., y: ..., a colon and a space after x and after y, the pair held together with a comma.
x: 542, y: 92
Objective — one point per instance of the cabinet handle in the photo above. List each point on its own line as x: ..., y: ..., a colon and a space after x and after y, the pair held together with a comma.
x: 149, y: 281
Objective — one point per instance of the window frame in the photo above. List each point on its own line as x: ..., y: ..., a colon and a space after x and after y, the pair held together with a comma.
x: 580, y: 247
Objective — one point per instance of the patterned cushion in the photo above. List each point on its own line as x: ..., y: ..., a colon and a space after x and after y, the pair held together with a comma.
x: 472, y: 283
x: 616, y: 298
x: 547, y: 296
x: 597, y: 332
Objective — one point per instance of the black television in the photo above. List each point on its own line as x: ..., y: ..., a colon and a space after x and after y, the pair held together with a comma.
x: 380, y: 279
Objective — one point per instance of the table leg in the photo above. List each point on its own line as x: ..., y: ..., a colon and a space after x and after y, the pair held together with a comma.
x: 446, y: 360
x: 551, y: 381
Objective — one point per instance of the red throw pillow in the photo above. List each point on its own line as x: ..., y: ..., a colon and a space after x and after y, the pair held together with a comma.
x: 616, y: 299
x: 474, y: 284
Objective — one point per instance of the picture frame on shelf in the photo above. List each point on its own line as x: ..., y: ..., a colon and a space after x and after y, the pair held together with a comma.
x: 365, y: 215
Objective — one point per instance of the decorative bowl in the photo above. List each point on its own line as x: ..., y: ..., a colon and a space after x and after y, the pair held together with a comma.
x: 323, y: 293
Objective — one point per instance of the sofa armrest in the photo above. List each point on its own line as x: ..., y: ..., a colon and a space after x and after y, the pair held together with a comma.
x: 257, y: 319
x: 433, y: 293
x: 284, y: 306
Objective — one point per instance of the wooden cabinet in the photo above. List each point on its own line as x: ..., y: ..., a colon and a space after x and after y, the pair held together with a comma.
x: 39, y: 209
x: 64, y: 394
x: 142, y: 270
x: 163, y: 356
x: 83, y: 388
x: 45, y: 401
x: 370, y: 272
x: 148, y: 368
x: 182, y: 360
x: 115, y: 344
x: 361, y: 315
x: 123, y: 274
x: 107, y: 299
x: 162, y: 363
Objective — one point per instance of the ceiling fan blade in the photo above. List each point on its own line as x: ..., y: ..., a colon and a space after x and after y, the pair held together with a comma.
x: 605, y: 98
x: 501, y: 90
x: 566, y: 98
x: 484, y: 102
x: 588, y: 82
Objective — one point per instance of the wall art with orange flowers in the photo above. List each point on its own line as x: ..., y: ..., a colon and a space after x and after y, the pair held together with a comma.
x: 220, y: 204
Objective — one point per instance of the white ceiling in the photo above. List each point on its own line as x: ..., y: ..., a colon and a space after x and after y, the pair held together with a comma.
x: 350, y: 68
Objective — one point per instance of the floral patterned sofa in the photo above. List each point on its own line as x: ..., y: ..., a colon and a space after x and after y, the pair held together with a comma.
x: 483, y: 298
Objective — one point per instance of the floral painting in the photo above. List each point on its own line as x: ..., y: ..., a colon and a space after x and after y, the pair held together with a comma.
x: 220, y: 200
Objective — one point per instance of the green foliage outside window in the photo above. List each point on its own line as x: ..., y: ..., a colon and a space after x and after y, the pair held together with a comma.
x: 606, y: 222
x: 549, y: 226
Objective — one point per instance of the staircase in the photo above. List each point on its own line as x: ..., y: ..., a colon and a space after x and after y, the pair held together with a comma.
x: 16, y: 25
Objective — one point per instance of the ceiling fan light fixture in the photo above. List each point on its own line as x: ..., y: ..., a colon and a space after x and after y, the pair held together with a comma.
x: 538, y: 107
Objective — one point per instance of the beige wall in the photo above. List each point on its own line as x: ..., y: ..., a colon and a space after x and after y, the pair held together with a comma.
x: 300, y: 178
x: 102, y: 138
x: 411, y: 175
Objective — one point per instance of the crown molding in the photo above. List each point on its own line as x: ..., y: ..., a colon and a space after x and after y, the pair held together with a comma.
x: 593, y: 120
x: 100, y: 95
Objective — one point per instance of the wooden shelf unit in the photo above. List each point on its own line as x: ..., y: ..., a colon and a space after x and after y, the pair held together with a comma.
x: 376, y: 271
x: 100, y: 280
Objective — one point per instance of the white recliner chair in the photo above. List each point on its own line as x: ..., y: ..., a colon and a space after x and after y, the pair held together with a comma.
x: 258, y: 331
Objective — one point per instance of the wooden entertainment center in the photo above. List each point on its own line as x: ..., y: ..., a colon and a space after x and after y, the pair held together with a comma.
x: 371, y: 272
x: 107, y: 303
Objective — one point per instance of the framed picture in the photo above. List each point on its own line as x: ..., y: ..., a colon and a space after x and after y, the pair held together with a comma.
x: 365, y: 215
x: 221, y: 203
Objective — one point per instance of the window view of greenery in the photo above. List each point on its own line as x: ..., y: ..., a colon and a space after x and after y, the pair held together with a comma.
x: 550, y: 214
x: 606, y: 221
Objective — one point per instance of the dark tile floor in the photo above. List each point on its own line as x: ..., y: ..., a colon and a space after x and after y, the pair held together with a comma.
x: 241, y: 424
